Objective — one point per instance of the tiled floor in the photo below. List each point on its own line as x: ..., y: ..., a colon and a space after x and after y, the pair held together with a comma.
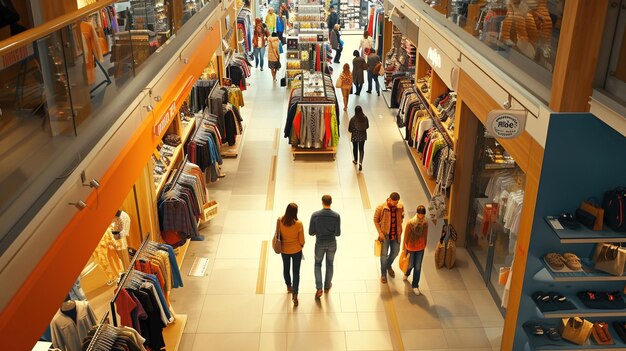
x: 225, y: 310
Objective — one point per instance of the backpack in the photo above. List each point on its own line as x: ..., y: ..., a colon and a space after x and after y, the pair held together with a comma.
x: 376, y: 70
x: 614, y: 204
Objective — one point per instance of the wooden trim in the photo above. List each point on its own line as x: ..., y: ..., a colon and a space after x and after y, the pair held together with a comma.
x: 577, y: 55
x: 40, y: 31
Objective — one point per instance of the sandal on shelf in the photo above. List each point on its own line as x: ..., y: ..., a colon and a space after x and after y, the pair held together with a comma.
x: 555, y: 261
x: 540, y: 296
x: 572, y: 261
x: 553, y: 334
x: 537, y: 330
x: 601, y: 334
x: 556, y: 297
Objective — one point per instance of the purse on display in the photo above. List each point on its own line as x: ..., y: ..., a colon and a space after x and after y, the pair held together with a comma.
x: 437, y: 207
x: 614, y: 205
x: 378, y: 247
x: 592, y: 207
x: 403, y: 262
x: 277, y: 243
x: 575, y: 329
x: 610, y: 259
x: 585, y: 218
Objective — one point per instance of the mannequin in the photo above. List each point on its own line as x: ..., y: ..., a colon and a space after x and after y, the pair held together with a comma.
x: 120, y: 227
x: 513, y: 31
x: 91, y: 49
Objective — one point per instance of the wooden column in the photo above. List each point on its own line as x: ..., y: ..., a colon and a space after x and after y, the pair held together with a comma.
x: 577, y: 56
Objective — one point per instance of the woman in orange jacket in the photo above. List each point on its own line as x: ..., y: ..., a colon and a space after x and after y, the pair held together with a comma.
x: 292, y: 236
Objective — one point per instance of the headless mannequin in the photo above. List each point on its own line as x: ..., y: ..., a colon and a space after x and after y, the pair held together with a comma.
x: 68, y: 308
x: 120, y: 228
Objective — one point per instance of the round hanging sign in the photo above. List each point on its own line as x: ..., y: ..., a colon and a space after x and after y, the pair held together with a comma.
x: 506, y: 124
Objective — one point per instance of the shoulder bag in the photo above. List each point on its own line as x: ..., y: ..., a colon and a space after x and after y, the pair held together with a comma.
x: 277, y: 243
x: 592, y: 207
x: 403, y: 262
x: 610, y: 258
x: 614, y: 204
x: 576, y: 329
x: 378, y: 247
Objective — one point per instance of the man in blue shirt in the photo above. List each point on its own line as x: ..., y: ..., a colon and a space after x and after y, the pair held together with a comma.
x: 325, y: 225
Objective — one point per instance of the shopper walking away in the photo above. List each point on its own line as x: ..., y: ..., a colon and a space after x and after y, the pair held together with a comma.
x: 366, y: 43
x: 358, y: 66
x: 332, y: 19
x: 273, y: 54
x: 373, y: 63
x: 325, y: 225
x: 292, y: 236
x: 280, y: 27
x: 415, y: 239
x: 336, y: 42
x: 388, y: 221
x: 358, y: 127
x: 344, y: 82
x: 259, y: 41
x: 270, y: 20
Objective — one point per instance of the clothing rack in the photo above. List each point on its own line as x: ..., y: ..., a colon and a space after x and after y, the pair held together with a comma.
x: 96, y: 335
x: 122, y: 282
x: 436, y: 121
x: 179, y: 171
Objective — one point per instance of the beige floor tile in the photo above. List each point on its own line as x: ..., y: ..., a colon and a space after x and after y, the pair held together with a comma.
x: 240, y: 246
x: 424, y: 339
x: 315, y: 341
x: 460, y: 322
x: 233, y: 276
x: 373, y: 321
x: 227, y: 341
x: 302, y: 322
x: 486, y: 308
x: 273, y: 342
x: 466, y: 338
x: 368, y: 340
x: 348, y: 303
x: 282, y: 303
x: 190, y: 304
x: 495, y: 336
x: 186, y: 342
x: 231, y: 313
x: 455, y: 303
x: 369, y: 302
x: 416, y: 312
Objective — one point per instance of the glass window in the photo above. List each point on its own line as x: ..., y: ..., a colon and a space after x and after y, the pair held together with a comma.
x: 615, y: 78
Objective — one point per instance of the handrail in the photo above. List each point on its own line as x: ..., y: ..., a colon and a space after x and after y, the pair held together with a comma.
x: 48, y: 27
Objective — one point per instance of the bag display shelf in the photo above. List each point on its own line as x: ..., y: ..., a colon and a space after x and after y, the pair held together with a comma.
x: 580, y: 310
x: 588, y: 273
x: 584, y: 234
x: 542, y: 342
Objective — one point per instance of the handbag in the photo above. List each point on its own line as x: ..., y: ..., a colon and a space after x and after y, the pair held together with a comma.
x: 437, y: 207
x: 585, y: 218
x: 277, y: 243
x: 450, y: 258
x: 283, y: 81
x: 378, y: 247
x: 614, y: 205
x: 403, y: 262
x: 575, y: 329
x: 593, y: 208
x: 376, y: 70
x: 440, y: 254
x: 610, y: 258
x: 338, y: 83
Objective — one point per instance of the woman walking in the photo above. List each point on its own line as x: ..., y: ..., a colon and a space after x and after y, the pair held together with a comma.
x: 366, y: 43
x: 358, y: 127
x: 415, y: 239
x: 336, y: 42
x: 344, y: 82
x: 273, y: 54
x: 292, y: 236
x: 358, y: 66
x: 259, y: 42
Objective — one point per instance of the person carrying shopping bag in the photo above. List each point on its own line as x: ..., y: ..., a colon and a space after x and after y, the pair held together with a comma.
x: 273, y: 54
x: 292, y: 238
x: 388, y: 219
x: 415, y: 239
x: 344, y: 82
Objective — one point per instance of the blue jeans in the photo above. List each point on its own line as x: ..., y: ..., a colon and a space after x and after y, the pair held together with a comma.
x: 258, y: 56
x: 386, y: 257
x: 297, y: 259
x: 321, y: 249
x: 370, y: 76
x: 415, y: 263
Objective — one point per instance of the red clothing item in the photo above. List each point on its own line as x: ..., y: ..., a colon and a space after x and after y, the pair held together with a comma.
x: 296, y: 123
x: 420, y: 243
x: 124, y: 305
x: 327, y: 134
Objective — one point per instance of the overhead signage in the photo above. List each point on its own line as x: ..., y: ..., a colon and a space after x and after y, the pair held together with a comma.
x: 164, y: 121
x: 506, y: 124
x: 434, y: 57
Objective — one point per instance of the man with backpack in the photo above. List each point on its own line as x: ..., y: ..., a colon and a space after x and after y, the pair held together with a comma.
x: 374, y: 68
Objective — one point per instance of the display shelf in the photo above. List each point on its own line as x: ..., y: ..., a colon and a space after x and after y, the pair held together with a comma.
x: 434, y: 115
x: 580, y: 310
x: 180, y: 252
x: 430, y: 183
x: 173, y: 334
x: 542, y: 342
x: 585, y: 235
x: 587, y: 274
x: 175, y: 156
x: 332, y: 150
x: 233, y: 151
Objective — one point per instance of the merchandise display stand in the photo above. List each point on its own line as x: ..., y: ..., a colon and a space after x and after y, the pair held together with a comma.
x: 302, y: 151
x: 309, y: 30
x: 563, y: 186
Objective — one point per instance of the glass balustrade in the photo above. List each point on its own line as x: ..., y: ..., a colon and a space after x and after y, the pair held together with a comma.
x: 55, y: 89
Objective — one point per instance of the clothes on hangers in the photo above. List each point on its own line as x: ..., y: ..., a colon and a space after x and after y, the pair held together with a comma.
x: 203, y: 146
x: 110, y: 338
x: 199, y: 95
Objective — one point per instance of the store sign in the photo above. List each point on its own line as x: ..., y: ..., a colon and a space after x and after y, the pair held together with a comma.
x: 15, y: 56
x: 506, y: 124
x: 165, y: 120
x: 434, y: 57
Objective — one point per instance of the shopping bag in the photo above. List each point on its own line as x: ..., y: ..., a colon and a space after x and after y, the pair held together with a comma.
x: 610, y: 258
x: 437, y: 207
x: 378, y: 247
x: 592, y: 207
x: 277, y: 243
x: 575, y: 329
x: 403, y: 262
x: 450, y: 259
x: 503, y: 275
x: 440, y: 254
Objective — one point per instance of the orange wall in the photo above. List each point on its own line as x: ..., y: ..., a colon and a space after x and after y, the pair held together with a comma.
x: 32, y: 308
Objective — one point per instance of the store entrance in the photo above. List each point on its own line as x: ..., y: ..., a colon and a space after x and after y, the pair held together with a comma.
x: 495, y: 207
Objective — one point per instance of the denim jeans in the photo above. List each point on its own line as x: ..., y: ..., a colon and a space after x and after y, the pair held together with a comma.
x: 321, y: 249
x: 258, y: 56
x: 370, y: 76
x: 297, y: 259
x: 386, y: 257
x: 415, y: 263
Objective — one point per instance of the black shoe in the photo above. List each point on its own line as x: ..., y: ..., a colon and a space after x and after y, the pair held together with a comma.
x: 261, y: 68
x: 369, y: 92
x: 357, y: 94
x: 360, y: 167
x: 378, y: 92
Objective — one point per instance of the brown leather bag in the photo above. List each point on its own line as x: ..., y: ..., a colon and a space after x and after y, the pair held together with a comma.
x: 596, y: 211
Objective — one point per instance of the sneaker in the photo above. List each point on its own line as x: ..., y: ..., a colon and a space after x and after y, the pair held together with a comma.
x: 360, y: 169
x: 417, y: 291
x: 328, y: 288
x: 391, y: 272
x: 318, y: 293
x: 383, y: 280
x: 405, y: 277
